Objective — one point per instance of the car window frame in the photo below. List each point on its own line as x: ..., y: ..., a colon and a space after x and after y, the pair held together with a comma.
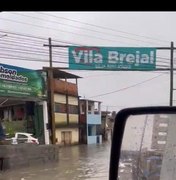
x: 119, y: 127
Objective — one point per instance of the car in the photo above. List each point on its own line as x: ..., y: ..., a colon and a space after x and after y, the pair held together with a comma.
x: 22, y: 137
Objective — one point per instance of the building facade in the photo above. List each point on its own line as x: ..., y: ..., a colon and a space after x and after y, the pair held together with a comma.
x: 160, y: 130
x: 90, y: 122
x: 65, y: 113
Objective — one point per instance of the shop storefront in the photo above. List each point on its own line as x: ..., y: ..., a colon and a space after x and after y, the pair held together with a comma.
x: 23, y: 102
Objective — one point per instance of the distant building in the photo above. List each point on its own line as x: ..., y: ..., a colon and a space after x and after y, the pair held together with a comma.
x: 107, y: 124
x: 90, y: 122
x: 104, y: 127
x: 160, y: 129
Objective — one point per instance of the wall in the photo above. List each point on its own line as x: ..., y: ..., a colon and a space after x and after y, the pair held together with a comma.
x: 60, y: 98
x: 60, y: 118
x: 28, y: 155
x: 159, y: 119
x: 73, y: 119
x: 72, y: 100
x: 93, y: 139
x: 65, y: 87
x: 75, y: 134
x: 93, y: 118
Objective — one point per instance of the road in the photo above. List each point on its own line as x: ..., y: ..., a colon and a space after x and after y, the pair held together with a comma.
x: 81, y: 162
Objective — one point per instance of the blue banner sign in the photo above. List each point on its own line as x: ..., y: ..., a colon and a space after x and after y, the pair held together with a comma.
x: 112, y: 58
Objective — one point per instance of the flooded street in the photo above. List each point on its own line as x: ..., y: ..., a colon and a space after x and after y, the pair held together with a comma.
x: 75, y: 162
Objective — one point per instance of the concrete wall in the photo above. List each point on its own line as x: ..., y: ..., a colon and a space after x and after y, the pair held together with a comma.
x: 26, y: 155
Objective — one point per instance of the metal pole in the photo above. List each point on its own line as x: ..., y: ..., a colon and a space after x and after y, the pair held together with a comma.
x: 171, y: 73
x: 50, y: 52
x: 140, y: 148
x: 52, y: 115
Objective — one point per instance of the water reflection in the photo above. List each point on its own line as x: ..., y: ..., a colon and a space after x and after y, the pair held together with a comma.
x: 75, y: 163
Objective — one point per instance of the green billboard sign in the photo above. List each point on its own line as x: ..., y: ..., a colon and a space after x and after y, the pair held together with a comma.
x: 112, y: 58
x: 22, y: 82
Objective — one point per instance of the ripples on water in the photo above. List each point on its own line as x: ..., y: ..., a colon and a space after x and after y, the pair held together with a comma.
x: 80, y: 162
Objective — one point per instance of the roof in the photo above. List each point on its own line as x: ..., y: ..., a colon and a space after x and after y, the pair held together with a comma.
x: 105, y: 112
x: 57, y: 73
x: 11, y: 101
x: 90, y: 100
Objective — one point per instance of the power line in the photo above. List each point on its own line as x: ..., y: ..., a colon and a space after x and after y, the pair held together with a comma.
x: 113, y: 74
x: 20, y: 42
x: 44, y: 53
x: 66, y: 54
x: 24, y: 38
x: 103, y: 27
x: 25, y: 51
x: 113, y: 35
x: 34, y: 48
x: 64, y: 31
x: 123, y: 51
x: 83, y: 65
x: 56, y: 41
x: 122, y: 89
x: 35, y: 37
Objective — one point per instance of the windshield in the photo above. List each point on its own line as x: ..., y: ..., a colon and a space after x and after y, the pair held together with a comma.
x: 63, y: 78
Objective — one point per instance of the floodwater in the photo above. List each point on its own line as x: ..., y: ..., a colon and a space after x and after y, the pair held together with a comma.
x: 81, y: 162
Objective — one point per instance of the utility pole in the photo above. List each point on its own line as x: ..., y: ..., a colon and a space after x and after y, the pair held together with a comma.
x: 51, y: 91
x: 171, y: 69
x: 51, y: 95
x: 171, y: 73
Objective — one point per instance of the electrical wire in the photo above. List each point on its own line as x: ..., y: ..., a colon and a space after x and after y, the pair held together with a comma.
x: 67, y: 55
x: 122, y: 89
x: 54, y: 29
x: 107, y: 28
x: 84, y: 28
x: 37, y: 37
x: 121, y: 51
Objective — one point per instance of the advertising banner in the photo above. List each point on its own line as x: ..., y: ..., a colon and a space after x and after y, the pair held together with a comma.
x: 112, y: 58
x: 22, y: 82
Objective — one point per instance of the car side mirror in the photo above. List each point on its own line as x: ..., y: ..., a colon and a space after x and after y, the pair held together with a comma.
x: 144, y: 144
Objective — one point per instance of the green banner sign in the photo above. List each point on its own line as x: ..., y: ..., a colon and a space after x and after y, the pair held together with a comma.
x: 21, y: 82
x: 112, y: 58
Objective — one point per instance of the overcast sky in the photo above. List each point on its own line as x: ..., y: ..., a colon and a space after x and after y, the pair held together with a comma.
x: 115, y: 89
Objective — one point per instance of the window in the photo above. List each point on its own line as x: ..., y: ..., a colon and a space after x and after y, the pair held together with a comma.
x: 82, y: 109
x: 162, y: 133
x: 22, y: 136
x: 60, y: 108
x: 163, y: 125
x: 161, y: 142
x: 73, y: 109
x: 89, y: 107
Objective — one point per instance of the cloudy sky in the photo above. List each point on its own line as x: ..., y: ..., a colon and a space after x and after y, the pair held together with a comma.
x: 116, y: 89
